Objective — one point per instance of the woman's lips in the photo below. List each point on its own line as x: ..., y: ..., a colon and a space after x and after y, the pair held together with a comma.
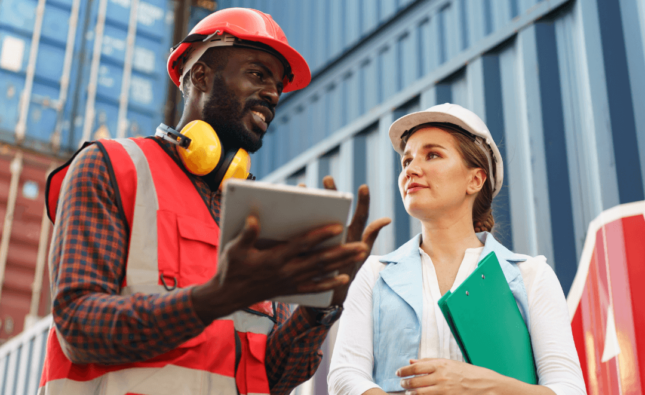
x: 415, y: 189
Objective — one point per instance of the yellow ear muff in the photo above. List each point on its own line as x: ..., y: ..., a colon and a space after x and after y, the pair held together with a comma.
x: 205, y: 150
x: 239, y: 167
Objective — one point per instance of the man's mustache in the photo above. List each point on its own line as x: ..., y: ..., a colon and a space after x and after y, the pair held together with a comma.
x: 256, y: 102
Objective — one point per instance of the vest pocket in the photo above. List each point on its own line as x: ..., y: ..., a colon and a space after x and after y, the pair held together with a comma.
x: 256, y: 377
x: 198, y: 250
x: 186, y: 248
x: 251, y: 374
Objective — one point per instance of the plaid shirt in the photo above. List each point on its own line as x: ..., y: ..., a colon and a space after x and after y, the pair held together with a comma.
x: 87, y: 263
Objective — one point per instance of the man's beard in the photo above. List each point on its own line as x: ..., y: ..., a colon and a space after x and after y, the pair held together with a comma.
x: 224, y: 113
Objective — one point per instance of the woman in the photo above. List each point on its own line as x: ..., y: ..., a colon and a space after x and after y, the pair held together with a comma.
x: 392, y: 334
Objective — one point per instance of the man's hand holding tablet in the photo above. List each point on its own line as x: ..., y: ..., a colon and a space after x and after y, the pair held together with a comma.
x: 299, y: 265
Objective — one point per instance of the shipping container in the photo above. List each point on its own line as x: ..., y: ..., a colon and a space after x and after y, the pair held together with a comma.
x: 73, y: 70
x: 24, y: 240
x: 323, y: 31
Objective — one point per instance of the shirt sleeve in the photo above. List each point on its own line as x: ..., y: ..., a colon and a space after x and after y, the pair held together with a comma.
x: 558, y: 367
x: 352, y: 362
x: 87, y: 265
x: 293, y: 350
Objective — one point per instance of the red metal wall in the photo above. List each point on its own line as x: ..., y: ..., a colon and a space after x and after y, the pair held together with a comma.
x: 16, y: 293
x: 606, y: 303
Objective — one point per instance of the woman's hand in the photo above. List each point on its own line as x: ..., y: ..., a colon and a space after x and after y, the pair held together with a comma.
x: 445, y: 376
x: 448, y: 377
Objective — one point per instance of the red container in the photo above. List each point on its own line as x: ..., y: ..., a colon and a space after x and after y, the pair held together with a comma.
x: 24, y: 238
x: 607, y: 302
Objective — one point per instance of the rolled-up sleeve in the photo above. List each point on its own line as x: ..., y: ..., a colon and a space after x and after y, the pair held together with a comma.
x: 293, y: 350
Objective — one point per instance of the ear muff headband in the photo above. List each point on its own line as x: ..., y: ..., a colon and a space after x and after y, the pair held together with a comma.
x: 233, y: 165
x: 201, y: 153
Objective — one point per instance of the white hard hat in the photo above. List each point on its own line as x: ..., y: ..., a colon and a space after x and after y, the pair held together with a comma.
x: 462, y: 118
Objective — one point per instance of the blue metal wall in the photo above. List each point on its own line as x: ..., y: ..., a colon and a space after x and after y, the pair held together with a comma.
x: 324, y: 30
x: 81, y: 69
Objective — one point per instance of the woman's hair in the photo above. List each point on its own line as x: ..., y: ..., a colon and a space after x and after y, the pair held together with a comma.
x: 474, y: 158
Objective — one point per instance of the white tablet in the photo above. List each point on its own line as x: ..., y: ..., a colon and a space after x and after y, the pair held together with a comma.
x: 284, y: 212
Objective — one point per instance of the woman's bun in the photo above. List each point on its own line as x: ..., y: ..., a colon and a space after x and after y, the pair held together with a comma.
x: 484, y: 224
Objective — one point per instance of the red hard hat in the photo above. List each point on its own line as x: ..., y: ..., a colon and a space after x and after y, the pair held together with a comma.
x: 251, y: 26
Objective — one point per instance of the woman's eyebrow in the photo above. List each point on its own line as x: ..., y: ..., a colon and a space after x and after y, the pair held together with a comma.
x: 425, y: 147
x: 433, y: 145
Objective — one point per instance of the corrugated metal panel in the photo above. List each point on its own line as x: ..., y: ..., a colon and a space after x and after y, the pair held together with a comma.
x: 323, y: 30
x: 73, y: 70
x: 25, y: 238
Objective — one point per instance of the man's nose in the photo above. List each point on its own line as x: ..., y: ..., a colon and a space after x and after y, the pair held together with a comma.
x: 271, y: 94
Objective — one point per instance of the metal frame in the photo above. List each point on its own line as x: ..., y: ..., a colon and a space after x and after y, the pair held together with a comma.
x: 67, y: 70
x: 41, y: 259
x: 16, y: 170
x: 94, y: 71
x: 122, y: 123
x: 25, y: 98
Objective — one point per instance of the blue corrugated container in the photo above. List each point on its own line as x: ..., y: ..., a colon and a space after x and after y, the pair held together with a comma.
x: 322, y: 31
x: 68, y: 73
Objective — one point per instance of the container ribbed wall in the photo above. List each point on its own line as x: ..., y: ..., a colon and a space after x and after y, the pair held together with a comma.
x: 77, y: 70
x: 323, y: 30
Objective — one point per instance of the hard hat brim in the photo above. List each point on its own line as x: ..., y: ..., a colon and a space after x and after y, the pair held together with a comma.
x: 409, y: 121
x: 299, y: 66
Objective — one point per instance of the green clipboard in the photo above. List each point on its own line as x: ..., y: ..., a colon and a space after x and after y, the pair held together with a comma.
x: 487, y: 324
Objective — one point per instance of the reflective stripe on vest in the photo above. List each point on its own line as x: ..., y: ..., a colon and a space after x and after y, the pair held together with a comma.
x: 142, y: 266
x: 167, y: 380
x: 163, y: 239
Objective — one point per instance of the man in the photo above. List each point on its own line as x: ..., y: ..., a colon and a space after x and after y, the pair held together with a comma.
x: 138, y: 307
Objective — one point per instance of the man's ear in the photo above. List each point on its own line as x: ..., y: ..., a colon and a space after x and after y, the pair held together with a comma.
x: 477, y: 179
x: 199, y: 76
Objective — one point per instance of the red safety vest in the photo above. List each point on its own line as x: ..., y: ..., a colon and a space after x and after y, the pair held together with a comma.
x: 173, y: 242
